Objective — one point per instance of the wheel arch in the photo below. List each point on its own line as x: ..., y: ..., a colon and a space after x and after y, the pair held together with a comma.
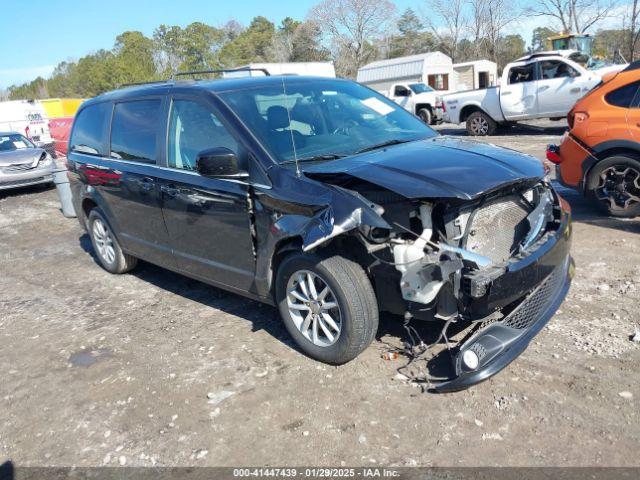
x: 605, y: 150
x: 469, y: 109
x: 346, y: 245
x: 420, y: 106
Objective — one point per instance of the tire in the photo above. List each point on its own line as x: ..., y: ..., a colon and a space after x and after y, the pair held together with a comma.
x: 102, y: 237
x: 356, y: 312
x: 480, y: 124
x: 425, y: 116
x: 613, y: 186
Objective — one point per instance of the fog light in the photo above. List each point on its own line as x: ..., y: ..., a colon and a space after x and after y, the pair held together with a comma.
x: 470, y: 359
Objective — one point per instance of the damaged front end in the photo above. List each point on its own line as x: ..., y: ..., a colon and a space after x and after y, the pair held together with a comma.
x: 497, y: 266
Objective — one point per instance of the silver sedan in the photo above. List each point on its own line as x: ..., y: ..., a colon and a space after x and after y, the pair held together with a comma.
x: 22, y: 163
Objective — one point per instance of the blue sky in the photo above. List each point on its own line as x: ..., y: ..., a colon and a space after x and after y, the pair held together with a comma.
x: 43, y: 33
x: 46, y: 32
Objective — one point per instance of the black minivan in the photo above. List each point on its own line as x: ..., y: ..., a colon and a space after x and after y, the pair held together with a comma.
x: 328, y: 200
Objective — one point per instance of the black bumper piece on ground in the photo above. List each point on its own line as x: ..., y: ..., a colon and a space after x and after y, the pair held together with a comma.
x: 497, y: 344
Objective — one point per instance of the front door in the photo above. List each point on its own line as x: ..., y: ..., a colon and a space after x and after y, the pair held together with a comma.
x: 207, y: 219
x: 560, y: 86
x: 518, y: 97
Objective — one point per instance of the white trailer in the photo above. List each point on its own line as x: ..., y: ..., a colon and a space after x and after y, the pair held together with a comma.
x: 315, y: 69
x: 27, y: 117
x: 475, y: 75
x: 434, y: 69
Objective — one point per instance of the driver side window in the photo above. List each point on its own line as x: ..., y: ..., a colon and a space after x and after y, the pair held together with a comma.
x: 550, y: 69
x: 193, y: 128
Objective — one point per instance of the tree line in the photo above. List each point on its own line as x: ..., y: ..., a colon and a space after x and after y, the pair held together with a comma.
x: 350, y: 33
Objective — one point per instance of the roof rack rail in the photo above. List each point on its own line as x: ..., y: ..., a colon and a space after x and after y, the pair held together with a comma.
x: 224, y: 70
x: 133, y: 84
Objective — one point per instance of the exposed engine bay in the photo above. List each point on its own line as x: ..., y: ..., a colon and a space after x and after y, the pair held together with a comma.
x: 444, y: 254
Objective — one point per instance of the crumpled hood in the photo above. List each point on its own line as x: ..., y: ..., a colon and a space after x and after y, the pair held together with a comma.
x: 440, y: 167
x: 20, y: 156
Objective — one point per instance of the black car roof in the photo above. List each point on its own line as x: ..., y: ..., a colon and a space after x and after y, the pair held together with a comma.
x: 214, y: 85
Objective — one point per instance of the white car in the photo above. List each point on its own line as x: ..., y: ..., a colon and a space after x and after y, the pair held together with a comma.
x: 536, y: 86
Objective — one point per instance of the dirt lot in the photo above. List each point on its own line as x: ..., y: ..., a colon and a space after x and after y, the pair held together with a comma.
x: 152, y: 368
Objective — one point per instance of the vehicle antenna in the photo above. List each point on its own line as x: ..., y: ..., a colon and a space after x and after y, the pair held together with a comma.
x: 293, y: 143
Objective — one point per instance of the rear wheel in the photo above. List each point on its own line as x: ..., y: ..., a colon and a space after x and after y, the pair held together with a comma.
x: 613, y: 186
x: 425, y: 115
x: 328, y: 306
x: 480, y: 124
x: 110, y: 255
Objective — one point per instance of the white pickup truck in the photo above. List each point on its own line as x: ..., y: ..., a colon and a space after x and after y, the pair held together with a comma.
x: 419, y: 99
x: 536, y: 86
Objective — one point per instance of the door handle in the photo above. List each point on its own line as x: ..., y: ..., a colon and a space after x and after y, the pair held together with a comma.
x: 543, y: 88
x: 506, y: 93
x: 169, y: 190
x: 575, y: 90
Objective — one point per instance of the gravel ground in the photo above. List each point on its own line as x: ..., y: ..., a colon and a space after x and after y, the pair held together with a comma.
x: 152, y: 368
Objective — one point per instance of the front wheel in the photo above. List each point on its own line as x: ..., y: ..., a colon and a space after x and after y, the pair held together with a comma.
x: 613, y: 186
x: 328, y: 306
x: 481, y: 124
x: 425, y: 115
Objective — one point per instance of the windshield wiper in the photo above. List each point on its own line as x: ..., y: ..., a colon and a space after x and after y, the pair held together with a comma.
x: 388, y: 143
x: 315, y: 158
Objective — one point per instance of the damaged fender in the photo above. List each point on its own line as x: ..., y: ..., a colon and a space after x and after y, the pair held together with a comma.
x: 346, y: 211
x: 277, y: 220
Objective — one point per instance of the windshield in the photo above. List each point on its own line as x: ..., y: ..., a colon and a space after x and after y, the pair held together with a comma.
x: 420, y: 88
x: 14, y: 141
x: 323, y: 118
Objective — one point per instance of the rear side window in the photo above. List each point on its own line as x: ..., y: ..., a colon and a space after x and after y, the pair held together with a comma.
x: 89, y: 130
x: 134, y: 130
x: 623, y: 96
x: 522, y: 73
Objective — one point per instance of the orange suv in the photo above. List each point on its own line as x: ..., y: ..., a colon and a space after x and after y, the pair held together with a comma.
x: 600, y: 154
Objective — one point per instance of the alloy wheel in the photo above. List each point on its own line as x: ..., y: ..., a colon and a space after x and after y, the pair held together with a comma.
x: 313, y: 307
x: 103, y: 241
x: 479, y: 125
x: 619, y: 187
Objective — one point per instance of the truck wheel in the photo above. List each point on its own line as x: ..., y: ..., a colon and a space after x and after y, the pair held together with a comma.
x: 110, y: 255
x: 327, y: 305
x: 613, y: 186
x: 425, y: 115
x: 480, y: 124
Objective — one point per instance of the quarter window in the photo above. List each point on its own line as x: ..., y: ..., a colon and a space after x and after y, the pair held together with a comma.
x: 623, y: 96
x: 89, y: 130
x: 134, y: 130
x: 192, y: 129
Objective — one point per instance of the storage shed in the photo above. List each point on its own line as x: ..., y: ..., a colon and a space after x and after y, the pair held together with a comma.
x: 434, y: 69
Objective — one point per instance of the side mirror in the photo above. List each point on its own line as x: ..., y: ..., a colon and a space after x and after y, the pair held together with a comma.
x: 219, y: 162
x: 402, y: 92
